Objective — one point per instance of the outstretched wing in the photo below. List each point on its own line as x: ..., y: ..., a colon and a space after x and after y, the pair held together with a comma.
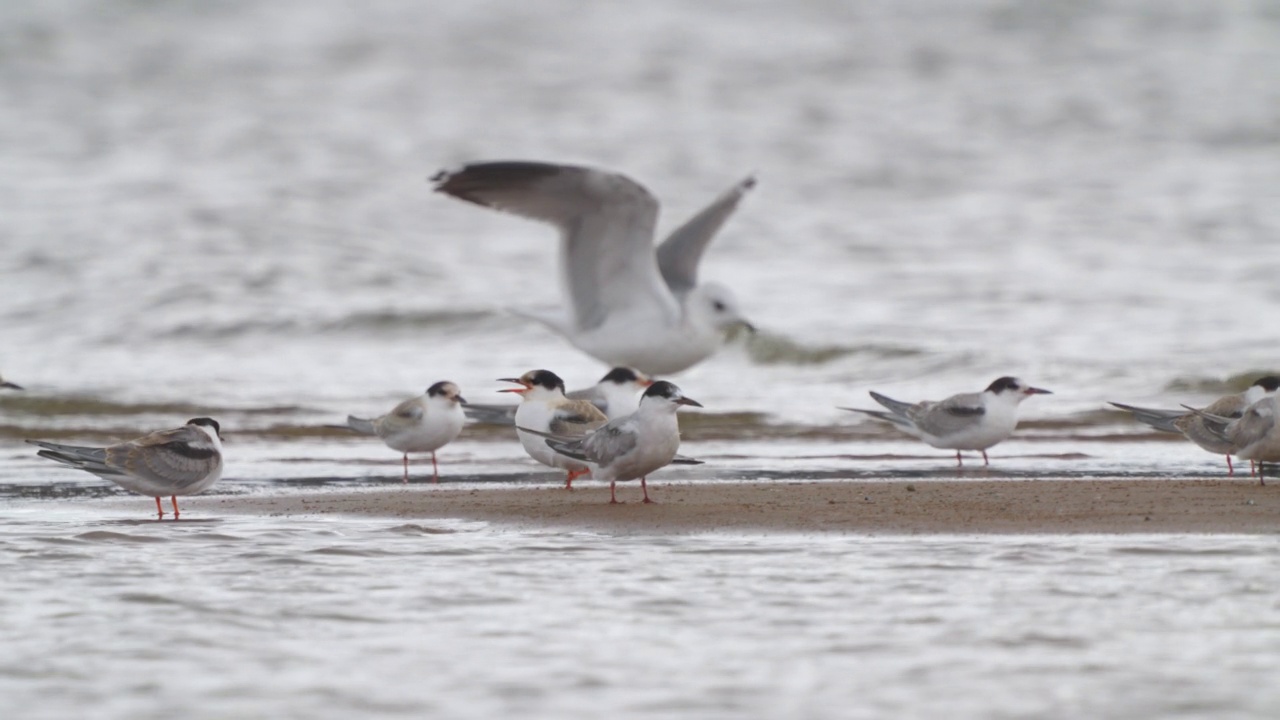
x: 680, y: 253
x: 606, y: 223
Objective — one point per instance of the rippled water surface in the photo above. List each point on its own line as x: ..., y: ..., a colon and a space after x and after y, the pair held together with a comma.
x: 345, y: 617
x: 222, y: 209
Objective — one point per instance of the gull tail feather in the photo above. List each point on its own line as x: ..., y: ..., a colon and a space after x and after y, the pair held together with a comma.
x: 889, y: 417
x: 897, y: 407
x: 567, y: 446
x: 491, y: 414
x: 1158, y: 419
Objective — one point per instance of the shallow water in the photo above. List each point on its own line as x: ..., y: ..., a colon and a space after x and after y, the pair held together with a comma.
x: 336, y: 617
x: 222, y: 209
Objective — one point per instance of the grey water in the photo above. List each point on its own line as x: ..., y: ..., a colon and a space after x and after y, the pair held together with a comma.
x: 320, y: 618
x: 223, y: 209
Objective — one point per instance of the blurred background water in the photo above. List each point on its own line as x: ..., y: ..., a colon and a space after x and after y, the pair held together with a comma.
x: 222, y: 208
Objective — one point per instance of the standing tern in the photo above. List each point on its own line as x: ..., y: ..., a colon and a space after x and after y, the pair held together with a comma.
x: 545, y: 409
x: 182, y: 461
x: 1192, y: 425
x: 968, y: 421
x: 420, y: 424
x: 617, y: 394
x: 1255, y: 434
x: 628, y: 302
x: 632, y: 446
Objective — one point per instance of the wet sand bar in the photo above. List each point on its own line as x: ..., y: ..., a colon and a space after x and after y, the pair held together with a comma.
x: 897, y: 506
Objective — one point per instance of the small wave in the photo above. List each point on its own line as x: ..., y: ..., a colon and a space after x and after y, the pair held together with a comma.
x: 1216, y: 385
x: 417, y: 530
x: 766, y: 348
x: 115, y: 537
x: 376, y: 322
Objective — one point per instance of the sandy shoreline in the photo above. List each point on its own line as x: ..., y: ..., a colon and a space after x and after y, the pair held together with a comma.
x: 890, y: 506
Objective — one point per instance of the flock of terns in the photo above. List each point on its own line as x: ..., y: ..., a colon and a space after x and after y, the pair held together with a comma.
x: 641, y: 308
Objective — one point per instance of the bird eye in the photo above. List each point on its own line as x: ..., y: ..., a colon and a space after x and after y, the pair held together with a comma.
x: 718, y: 305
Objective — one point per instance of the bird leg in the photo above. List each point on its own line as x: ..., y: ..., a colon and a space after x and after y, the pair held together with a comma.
x: 1262, y: 480
x: 435, y: 469
x: 645, y: 489
x: 173, y: 499
x: 959, y: 462
x: 406, y: 468
x: 1231, y: 471
x: 159, y: 510
x: 985, y: 461
x: 571, y: 476
x: 1253, y: 468
x: 613, y: 496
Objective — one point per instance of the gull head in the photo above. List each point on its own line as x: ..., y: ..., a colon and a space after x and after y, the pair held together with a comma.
x: 715, y: 305
x: 625, y: 376
x: 447, y: 392
x: 1011, y: 388
x: 535, y: 383
x: 208, y: 426
x: 667, y: 394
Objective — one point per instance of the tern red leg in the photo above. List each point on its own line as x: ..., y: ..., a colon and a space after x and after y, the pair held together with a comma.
x: 406, y: 468
x: 959, y: 462
x: 159, y: 509
x: 173, y: 499
x: 571, y: 476
x: 1231, y: 471
x: 613, y: 496
x: 985, y: 461
x: 645, y: 488
x: 435, y: 469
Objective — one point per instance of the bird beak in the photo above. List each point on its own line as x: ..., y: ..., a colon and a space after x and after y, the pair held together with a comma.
x: 1037, y: 391
x: 688, y: 401
x: 460, y: 400
x: 11, y: 386
x: 518, y: 381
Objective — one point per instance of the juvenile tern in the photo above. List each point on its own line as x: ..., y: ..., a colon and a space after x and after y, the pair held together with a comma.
x: 420, y: 424
x: 633, y: 446
x: 182, y: 461
x: 968, y: 421
x: 628, y: 303
x: 1255, y: 434
x: 545, y: 409
x: 617, y: 394
x: 1192, y: 426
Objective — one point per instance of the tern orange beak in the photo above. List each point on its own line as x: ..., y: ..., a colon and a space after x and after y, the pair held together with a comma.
x: 523, y: 389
